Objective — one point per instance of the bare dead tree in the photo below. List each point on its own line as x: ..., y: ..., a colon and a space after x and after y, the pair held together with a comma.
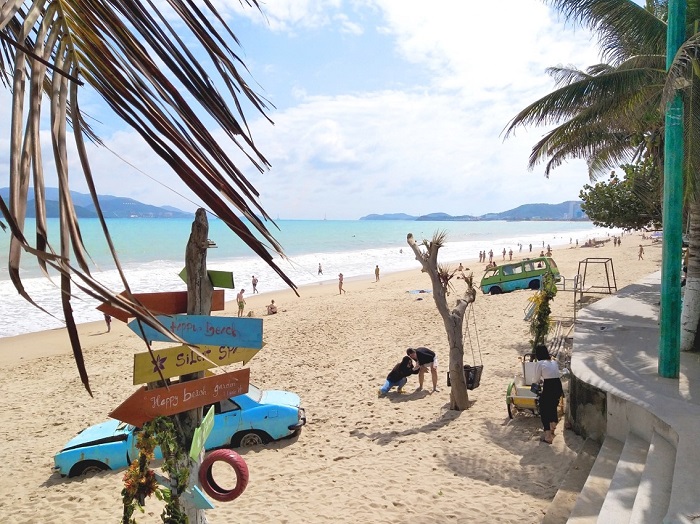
x: 453, y: 319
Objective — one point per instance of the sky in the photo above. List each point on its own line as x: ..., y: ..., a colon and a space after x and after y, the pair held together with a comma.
x: 381, y: 106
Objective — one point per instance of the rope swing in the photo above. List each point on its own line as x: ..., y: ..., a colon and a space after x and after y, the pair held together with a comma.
x: 472, y: 373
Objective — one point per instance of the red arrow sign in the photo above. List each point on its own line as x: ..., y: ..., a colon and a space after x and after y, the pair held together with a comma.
x: 145, y: 405
x: 164, y: 303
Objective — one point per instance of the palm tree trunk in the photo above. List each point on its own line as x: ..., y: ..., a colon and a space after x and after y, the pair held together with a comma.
x: 690, y: 314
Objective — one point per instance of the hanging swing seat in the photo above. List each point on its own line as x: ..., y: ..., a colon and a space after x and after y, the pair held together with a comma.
x: 472, y: 374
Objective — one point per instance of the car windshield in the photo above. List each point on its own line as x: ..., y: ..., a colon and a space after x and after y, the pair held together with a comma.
x: 254, y: 393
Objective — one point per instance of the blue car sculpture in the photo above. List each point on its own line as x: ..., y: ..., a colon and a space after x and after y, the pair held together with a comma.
x: 254, y: 418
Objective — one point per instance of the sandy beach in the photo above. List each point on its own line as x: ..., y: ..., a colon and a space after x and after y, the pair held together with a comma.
x: 402, y: 458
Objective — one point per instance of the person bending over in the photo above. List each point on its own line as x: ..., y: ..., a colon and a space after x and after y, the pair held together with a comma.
x: 427, y: 359
x: 397, y: 377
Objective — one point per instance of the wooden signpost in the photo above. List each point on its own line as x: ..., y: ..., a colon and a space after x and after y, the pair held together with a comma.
x: 217, y: 278
x: 203, y: 329
x: 182, y: 360
x: 147, y: 404
x: 164, y: 303
x: 201, y: 434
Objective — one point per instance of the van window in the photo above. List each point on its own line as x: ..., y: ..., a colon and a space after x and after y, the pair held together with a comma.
x: 512, y: 269
x: 529, y: 266
x: 491, y: 273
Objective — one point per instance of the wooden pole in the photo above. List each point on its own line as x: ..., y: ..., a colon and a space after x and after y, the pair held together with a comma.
x: 199, y: 297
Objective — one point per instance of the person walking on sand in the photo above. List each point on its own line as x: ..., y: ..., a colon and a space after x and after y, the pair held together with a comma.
x: 531, y: 247
x: 547, y: 370
x: 340, y: 284
x: 510, y: 254
x: 255, y: 285
x: 320, y: 271
x: 108, y: 321
x: 490, y: 255
x: 241, y: 302
x: 641, y: 252
x: 426, y: 359
x: 376, y: 273
x: 504, y: 253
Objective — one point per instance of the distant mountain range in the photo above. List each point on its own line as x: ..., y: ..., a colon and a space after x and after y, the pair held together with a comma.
x: 112, y: 206
x: 569, y: 210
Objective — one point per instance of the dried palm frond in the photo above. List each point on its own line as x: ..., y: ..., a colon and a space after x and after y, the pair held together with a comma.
x: 113, y: 45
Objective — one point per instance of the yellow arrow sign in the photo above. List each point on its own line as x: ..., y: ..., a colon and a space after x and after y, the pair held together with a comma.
x: 181, y: 360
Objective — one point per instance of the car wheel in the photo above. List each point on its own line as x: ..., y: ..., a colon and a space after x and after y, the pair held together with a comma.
x: 87, y: 466
x: 534, y: 285
x: 248, y: 439
x: 495, y: 290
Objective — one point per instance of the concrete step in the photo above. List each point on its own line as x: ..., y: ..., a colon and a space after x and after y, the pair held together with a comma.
x: 654, y: 493
x: 617, y: 508
x: 560, y: 508
x: 592, y: 496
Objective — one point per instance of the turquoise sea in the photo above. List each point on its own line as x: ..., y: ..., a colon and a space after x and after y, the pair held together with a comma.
x: 152, y: 254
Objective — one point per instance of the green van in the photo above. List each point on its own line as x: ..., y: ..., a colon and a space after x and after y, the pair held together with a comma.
x: 526, y: 274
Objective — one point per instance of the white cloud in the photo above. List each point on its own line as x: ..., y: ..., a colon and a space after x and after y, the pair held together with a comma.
x: 286, y: 15
x: 433, y: 146
x: 347, y: 26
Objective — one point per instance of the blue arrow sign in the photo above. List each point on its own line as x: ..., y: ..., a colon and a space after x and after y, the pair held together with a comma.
x: 203, y: 329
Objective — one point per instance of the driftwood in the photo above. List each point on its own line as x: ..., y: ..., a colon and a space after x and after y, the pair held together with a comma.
x: 453, y: 319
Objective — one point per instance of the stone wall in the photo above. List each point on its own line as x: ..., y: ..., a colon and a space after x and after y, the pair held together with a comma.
x: 587, y: 411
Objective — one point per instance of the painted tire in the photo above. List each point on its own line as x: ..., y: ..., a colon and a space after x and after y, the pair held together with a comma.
x: 208, y: 483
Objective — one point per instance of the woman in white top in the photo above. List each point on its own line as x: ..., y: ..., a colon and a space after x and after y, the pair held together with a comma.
x: 547, y: 370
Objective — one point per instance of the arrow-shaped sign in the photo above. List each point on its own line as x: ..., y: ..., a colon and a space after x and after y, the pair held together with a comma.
x: 199, y: 500
x: 181, y: 360
x: 217, y: 278
x: 147, y: 404
x: 202, y: 433
x: 164, y: 303
x: 203, y: 329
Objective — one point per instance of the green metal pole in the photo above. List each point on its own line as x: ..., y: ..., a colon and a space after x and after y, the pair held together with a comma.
x: 670, y: 329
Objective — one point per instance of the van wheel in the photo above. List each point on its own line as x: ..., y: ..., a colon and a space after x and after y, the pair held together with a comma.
x: 534, y: 285
x: 495, y: 290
